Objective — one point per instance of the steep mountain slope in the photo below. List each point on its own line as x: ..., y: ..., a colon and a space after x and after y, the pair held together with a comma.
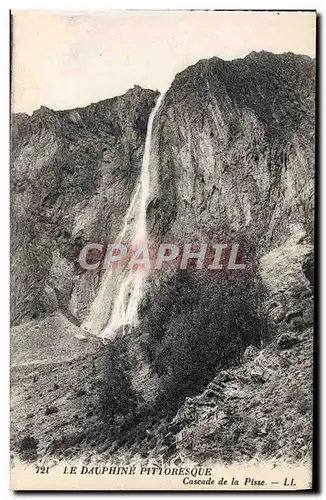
x: 234, y: 150
x: 220, y: 366
x: 73, y: 173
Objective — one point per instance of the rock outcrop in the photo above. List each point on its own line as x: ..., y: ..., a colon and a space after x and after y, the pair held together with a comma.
x: 234, y: 150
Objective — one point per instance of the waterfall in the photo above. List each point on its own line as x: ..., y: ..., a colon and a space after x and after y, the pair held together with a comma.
x: 117, y: 301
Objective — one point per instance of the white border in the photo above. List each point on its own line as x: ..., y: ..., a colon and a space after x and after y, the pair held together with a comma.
x: 4, y: 185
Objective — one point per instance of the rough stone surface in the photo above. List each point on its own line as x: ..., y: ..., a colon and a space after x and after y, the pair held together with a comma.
x: 234, y: 144
x: 286, y: 341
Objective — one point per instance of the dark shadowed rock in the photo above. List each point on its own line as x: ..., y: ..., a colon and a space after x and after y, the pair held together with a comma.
x: 308, y: 267
x: 50, y: 410
x: 259, y: 376
x: 286, y: 341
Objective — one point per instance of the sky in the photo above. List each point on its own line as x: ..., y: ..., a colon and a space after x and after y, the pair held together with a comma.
x: 67, y: 59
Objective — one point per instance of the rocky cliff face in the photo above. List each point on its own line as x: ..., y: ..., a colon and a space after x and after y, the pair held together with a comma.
x: 233, y: 154
x: 73, y: 173
x: 234, y: 150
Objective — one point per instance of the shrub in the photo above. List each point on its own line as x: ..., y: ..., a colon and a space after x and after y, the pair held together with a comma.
x: 117, y: 396
x: 197, y: 324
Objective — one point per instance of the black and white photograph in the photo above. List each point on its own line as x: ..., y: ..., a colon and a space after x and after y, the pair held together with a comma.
x: 162, y: 228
